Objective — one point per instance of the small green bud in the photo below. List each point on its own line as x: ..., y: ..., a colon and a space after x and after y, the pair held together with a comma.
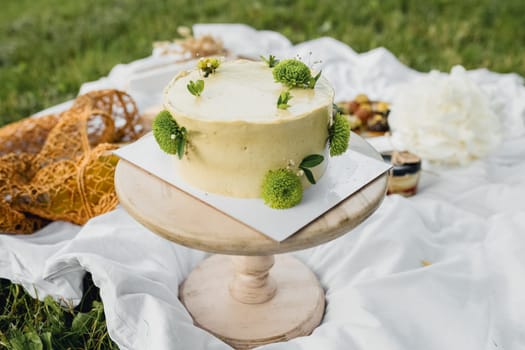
x: 271, y: 61
x: 282, y: 101
x: 208, y: 65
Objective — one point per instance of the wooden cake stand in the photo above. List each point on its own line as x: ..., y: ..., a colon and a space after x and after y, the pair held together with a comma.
x: 248, y: 298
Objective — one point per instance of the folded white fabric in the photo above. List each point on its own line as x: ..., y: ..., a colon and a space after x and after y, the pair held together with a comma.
x: 379, y: 294
x: 468, y: 222
x: 138, y: 274
x: 22, y: 260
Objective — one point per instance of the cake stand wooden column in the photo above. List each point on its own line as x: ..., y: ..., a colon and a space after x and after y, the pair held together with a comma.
x: 244, y: 295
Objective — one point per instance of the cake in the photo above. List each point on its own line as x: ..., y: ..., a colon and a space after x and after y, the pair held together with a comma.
x: 236, y: 125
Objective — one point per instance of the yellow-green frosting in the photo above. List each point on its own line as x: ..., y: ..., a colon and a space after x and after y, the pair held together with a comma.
x: 236, y: 133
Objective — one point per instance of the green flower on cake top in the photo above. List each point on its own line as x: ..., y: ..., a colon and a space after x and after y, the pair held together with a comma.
x: 208, y: 65
x: 294, y: 74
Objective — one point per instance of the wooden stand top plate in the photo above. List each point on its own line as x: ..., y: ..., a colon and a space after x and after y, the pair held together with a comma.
x: 181, y: 218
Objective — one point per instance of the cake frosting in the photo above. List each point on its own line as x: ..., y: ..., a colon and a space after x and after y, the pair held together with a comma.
x: 236, y: 133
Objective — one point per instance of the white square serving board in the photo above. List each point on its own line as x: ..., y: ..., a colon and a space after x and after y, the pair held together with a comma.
x: 345, y: 175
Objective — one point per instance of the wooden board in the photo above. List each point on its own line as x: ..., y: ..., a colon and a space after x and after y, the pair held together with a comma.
x: 181, y: 218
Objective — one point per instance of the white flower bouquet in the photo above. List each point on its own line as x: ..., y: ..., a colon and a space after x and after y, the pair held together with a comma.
x: 444, y: 118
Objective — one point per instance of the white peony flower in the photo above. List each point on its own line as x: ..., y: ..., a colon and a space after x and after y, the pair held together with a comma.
x: 444, y: 118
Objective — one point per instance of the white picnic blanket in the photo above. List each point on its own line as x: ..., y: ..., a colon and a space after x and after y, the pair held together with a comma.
x: 469, y: 222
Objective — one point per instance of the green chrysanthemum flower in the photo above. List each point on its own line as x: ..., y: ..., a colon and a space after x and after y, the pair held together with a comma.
x: 208, y: 65
x: 292, y: 73
x: 281, y: 189
x: 168, y: 134
x: 339, y: 135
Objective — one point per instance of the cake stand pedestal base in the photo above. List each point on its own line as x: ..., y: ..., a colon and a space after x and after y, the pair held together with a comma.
x: 239, y: 300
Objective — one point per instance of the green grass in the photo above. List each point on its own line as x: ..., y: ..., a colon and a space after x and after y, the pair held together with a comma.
x: 48, y: 48
x: 29, y: 324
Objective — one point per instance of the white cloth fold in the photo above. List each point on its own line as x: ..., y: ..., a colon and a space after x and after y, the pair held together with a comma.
x: 468, y: 222
x: 22, y: 260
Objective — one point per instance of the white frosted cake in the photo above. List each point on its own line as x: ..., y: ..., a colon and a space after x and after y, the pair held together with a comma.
x: 236, y: 132
x: 251, y: 129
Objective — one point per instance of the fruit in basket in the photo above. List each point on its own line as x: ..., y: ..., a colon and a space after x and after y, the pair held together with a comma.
x: 355, y: 123
x: 377, y: 123
x: 365, y: 116
x: 361, y: 98
x: 381, y: 107
x: 364, y: 112
x: 353, y: 106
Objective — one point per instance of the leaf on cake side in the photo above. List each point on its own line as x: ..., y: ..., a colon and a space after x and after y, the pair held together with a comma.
x: 310, y: 161
x: 181, y: 142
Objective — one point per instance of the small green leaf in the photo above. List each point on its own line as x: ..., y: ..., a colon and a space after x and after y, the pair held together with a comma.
x: 200, y: 85
x: 98, y: 307
x: 46, y: 340
x: 311, y: 161
x: 26, y: 341
x: 309, y: 175
x: 52, y: 306
x: 181, y: 145
x: 271, y: 61
x: 81, y: 322
x: 282, y: 101
x: 313, y: 80
x: 195, y: 88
